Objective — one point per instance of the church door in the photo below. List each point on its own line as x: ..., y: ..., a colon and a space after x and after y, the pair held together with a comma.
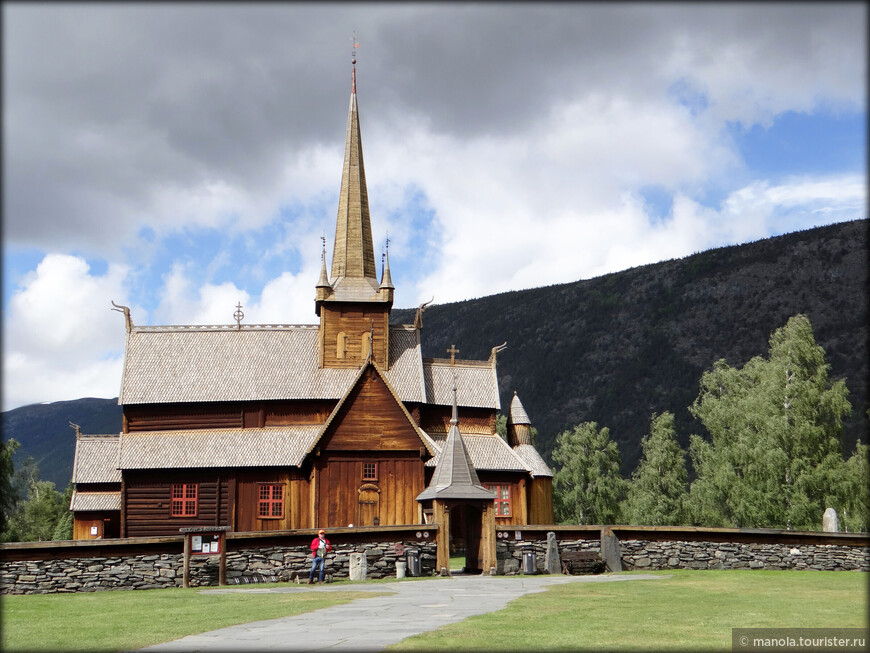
x: 369, y: 500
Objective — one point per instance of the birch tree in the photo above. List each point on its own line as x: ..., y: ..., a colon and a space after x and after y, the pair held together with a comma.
x: 775, y: 456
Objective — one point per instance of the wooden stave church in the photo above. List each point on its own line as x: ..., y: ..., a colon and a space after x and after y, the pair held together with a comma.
x: 281, y: 427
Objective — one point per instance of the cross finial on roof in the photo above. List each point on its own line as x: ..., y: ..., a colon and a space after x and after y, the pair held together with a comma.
x: 239, y: 315
x: 453, y: 351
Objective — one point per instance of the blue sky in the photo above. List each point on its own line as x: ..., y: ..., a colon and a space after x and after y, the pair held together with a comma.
x: 180, y: 159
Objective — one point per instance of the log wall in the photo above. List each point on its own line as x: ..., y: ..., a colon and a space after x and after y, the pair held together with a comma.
x: 249, y: 414
x: 147, y: 501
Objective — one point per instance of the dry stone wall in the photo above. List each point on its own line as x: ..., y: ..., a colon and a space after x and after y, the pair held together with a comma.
x: 133, y: 572
x: 642, y: 554
x: 678, y: 554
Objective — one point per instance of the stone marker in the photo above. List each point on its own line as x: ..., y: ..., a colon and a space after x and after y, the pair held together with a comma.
x: 830, y: 523
x: 552, y: 563
x: 401, y: 568
x: 358, y: 566
x: 610, y: 550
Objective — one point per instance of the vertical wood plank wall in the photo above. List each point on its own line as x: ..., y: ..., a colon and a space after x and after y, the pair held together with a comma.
x: 541, y: 500
x: 354, y: 320
x: 339, y: 481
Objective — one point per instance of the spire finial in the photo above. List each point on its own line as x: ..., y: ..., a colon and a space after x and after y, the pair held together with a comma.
x: 353, y: 61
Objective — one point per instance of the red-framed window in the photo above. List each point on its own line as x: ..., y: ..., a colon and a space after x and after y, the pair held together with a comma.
x: 370, y: 472
x: 502, y: 499
x: 270, y: 504
x: 184, y: 501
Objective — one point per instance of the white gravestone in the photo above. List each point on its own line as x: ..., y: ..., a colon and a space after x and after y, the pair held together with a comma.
x: 358, y: 566
x: 830, y: 524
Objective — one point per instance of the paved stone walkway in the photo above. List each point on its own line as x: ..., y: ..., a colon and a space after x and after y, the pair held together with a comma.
x: 370, y: 624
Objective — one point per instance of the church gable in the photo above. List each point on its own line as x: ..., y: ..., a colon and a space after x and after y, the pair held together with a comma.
x: 371, y: 418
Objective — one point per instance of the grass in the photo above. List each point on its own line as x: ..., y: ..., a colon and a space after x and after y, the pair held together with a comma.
x: 125, y: 620
x: 692, y: 610
x: 457, y: 562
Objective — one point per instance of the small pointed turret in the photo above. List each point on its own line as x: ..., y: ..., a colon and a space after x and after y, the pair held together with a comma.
x: 519, y: 426
x: 322, y: 289
x: 387, y: 288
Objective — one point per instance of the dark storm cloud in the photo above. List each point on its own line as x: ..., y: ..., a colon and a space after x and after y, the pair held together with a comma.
x: 107, y: 106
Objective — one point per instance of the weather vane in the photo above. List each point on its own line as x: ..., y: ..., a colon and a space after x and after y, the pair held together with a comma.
x: 239, y: 315
x: 386, y: 250
x: 355, y: 46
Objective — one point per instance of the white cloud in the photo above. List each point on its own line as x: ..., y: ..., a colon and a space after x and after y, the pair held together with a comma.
x: 533, y: 160
x: 61, y: 340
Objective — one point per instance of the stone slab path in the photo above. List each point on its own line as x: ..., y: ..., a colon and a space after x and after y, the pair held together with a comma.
x: 370, y: 624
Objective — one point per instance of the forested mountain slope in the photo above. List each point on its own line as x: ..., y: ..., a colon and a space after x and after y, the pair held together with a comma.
x: 614, y: 349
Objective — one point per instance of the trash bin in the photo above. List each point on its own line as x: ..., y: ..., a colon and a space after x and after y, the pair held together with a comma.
x: 529, y: 565
x: 413, y: 562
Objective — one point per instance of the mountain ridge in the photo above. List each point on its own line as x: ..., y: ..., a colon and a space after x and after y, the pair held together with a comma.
x: 612, y: 349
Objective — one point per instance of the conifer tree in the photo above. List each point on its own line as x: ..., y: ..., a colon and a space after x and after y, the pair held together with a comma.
x: 657, y: 492
x: 587, y: 487
x: 775, y: 457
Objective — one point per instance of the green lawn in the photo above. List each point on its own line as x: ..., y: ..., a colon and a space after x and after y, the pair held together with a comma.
x: 124, y: 620
x: 692, y: 610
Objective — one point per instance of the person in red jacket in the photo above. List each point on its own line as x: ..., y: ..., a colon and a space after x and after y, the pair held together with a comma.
x: 320, y: 546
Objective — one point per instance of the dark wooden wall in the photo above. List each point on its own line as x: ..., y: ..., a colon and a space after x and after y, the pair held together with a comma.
x: 147, y: 501
x: 436, y: 419
x: 249, y: 414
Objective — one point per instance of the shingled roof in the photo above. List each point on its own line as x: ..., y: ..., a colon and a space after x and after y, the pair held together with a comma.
x: 486, y: 452
x: 530, y: 456
x: 252, y: 447
x: 225, y: 363
x: 476, y: 382
x: 95, y: 500
x: 96, y: 459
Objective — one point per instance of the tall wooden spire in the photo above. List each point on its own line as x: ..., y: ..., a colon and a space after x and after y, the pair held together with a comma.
x: 354, y: 307
x: 354, y: 255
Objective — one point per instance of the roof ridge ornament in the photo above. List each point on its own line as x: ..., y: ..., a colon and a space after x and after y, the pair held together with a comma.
x: 495, y: 350
x: 126, y: 311
x: 239, y: 315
